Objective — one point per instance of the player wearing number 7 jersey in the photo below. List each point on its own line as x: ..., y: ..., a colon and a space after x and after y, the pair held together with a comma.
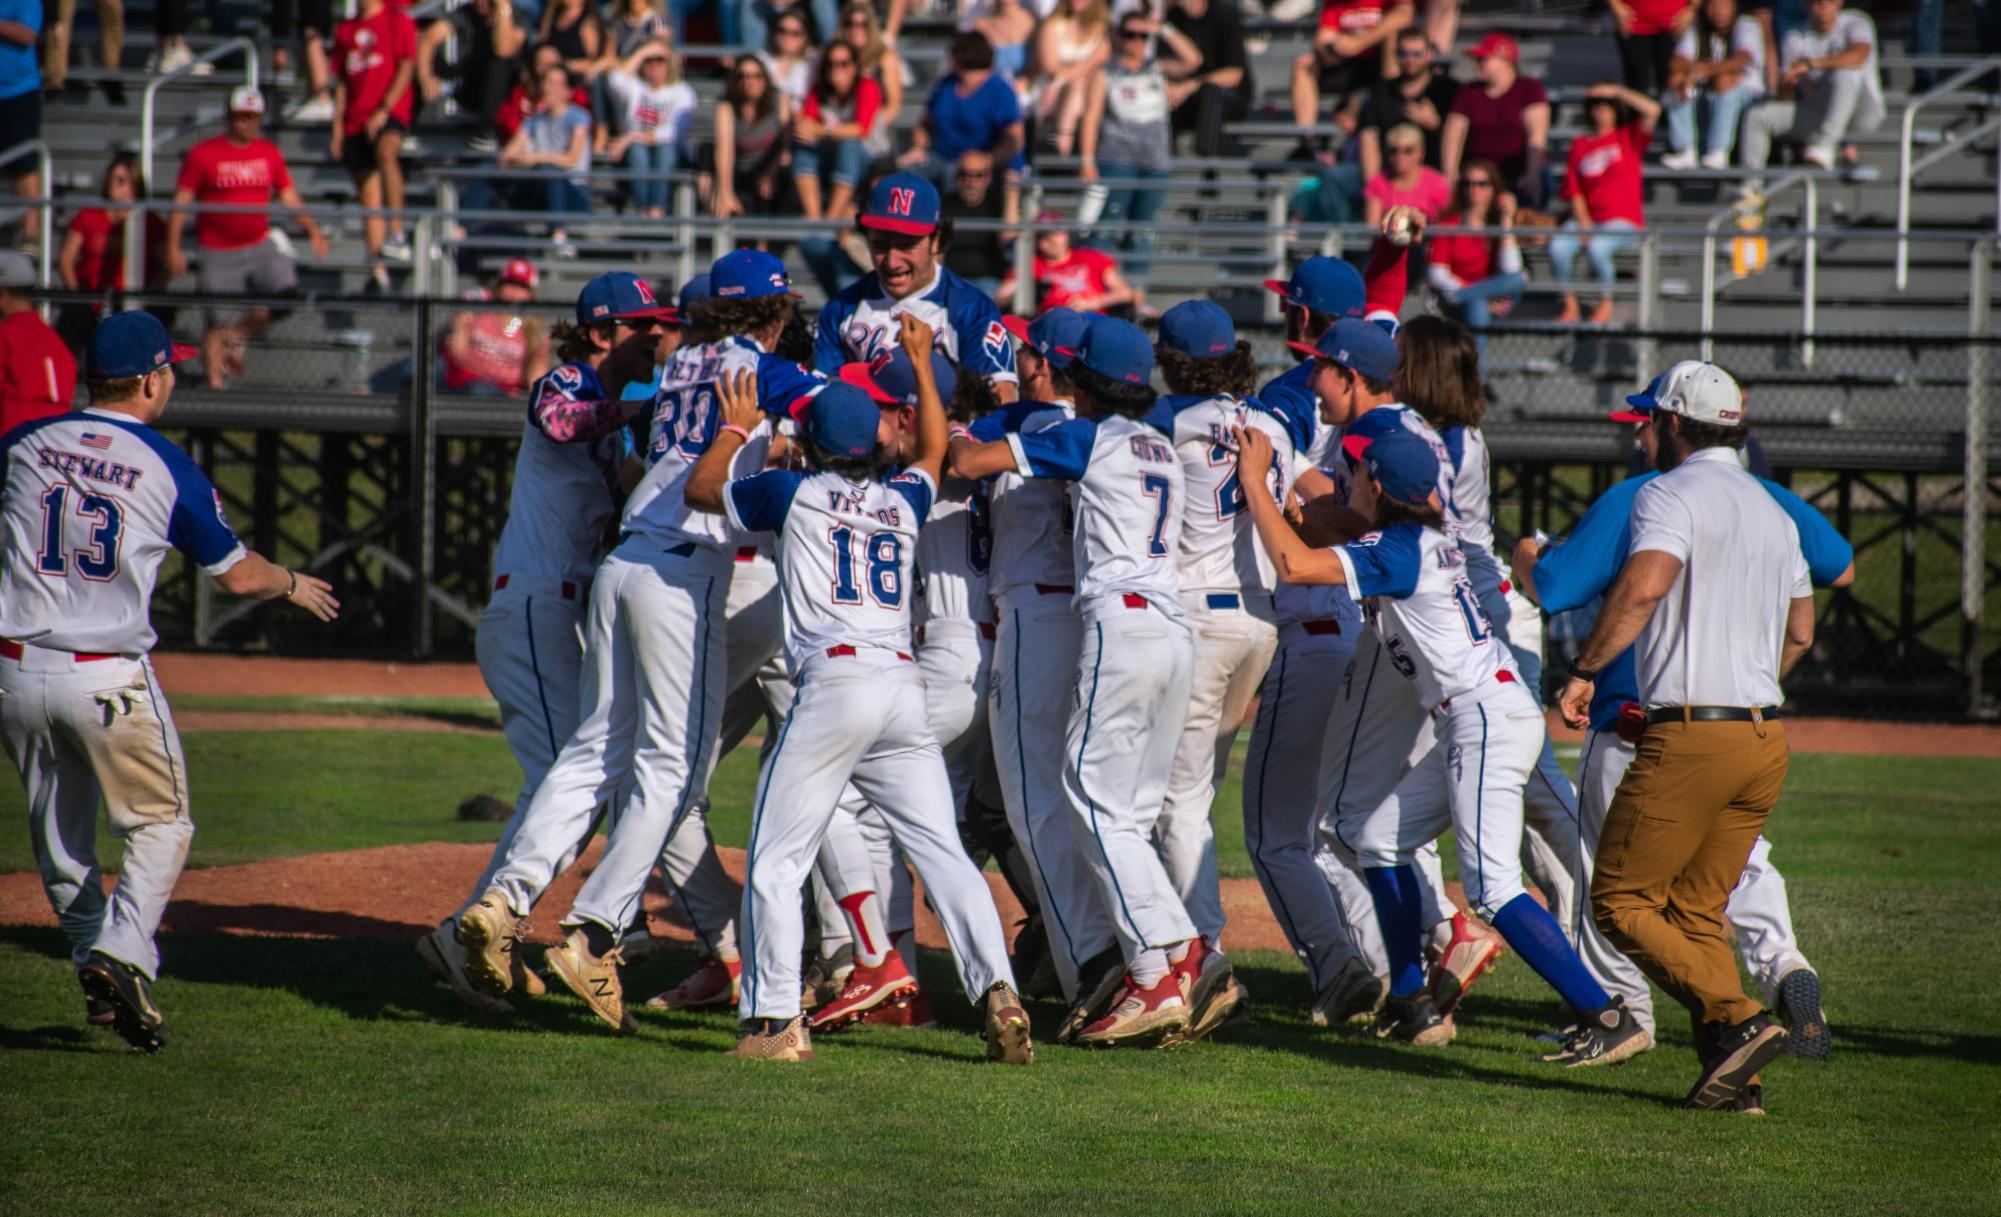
x: 847, y: 538
x: 92, y: 502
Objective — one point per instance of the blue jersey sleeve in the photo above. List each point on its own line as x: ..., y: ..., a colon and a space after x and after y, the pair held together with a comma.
x: 782, y: 385
x: 827, y: 353
x: 984, y: 345
x: 917, y: 490
x: 1006, y: 420
x: 1828, y: 553
x: 1062, y: 451
x: 759, y: 502
x: 1384, y: 563
x: 198, y: 526
x: 1578, y: 571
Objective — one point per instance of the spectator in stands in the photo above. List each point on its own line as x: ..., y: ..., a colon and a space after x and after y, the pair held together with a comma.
x: 837, y: 132
x: 37, y: 372
x: 312, y: 23
x: 1421, y: 94
x: 655, y: 105
x: 60, y: 18
x: 969, y: 108
x: 1719, y: 65
x: 1071, y: 48
x: 1828, y: 86
x: 170, y: 40
x: 746, y: 22
x: 375, y: 67
x: 240, y: 251
x: 1071, y: 276
x: 21, y: 104
x: 490, y: 42
x: 1223, y: 87
x: 788, y: 56
x: 632, y: 25
x: 980, y: 192
x: 92, y: 256
x: 1603, y: 186
x: 1647, y: 32
x: 1010, y: 26
x: 1503, y: 117
x: 1128, y: 136
x: 576, y: 29
x: 1353, y: 50
x: 495, y: 353
x: 880, y: 62
x: 753, y: 145
x: 1477, y: 278
x: 526, y: 96
x: 1405, y: 180
x: 557, y: 140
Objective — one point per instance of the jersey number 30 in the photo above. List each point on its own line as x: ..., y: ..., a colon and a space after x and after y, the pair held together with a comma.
x: 97, y: 561
x: 881, y: 555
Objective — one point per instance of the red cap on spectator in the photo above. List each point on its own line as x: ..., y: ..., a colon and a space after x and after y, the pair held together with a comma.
x: 1498, y: 44
x: 520, y: 270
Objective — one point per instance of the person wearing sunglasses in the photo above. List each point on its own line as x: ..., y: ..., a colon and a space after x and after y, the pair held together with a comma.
x: 1128, y: 137
x: 750, y: 153
x: 1352, y: 50
x: 92, y: 256
x: 750, y: 23
x: 1421, y: 93
x: 838, y: 129
x: 1474, y: 277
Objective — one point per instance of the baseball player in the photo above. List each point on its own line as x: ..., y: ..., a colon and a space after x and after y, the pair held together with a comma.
x: 530, y: 638
x: 654, y: 659
x: 1410, y: 576
x: 859, y: 325
x: 92, y: 502
x: 1132, y: 677
x: 847, y: 538
x: 1572, y: 577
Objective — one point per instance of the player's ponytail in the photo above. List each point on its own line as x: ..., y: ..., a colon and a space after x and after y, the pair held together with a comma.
x: 1113, y: 396
x: 1389, y: 511
x: 1235, y: 373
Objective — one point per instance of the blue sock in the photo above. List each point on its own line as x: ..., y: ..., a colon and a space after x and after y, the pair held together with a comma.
x: 1537, y: 938
x: 1402, y: 920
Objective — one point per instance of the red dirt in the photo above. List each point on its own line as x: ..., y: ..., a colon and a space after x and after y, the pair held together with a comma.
x: 261, y: 676
x: 258, y: 720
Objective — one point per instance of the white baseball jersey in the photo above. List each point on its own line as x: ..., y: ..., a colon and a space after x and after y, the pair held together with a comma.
x: 686, y: 416
x: 1412, y: 582
x: 1219, y: 550
x: 845, y: 553
x: 93, y: 502
x: 1293, y: 603
x: 565, y: 476
x: 1126, y: 495
x: 859, y: 325
x: 954, y: 554
x: 1031, y: 516
x: 1473, y: 506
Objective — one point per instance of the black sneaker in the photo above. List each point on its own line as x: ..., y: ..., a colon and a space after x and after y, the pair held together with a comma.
x: 1414, y: 1020
x: 1099, y: 983
x: 1806, y: 1023
x: 124, y: 988
x: 1751, y: 1102
x: 1603, y: 1037
x: 1741, y: 1051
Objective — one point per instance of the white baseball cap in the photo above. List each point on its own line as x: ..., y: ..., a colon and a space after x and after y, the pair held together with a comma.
x: 1694, y: 390
x: 245, y: 100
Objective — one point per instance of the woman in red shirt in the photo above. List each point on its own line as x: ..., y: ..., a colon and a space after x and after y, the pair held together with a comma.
x: 1603, y: 186
x: 92, y: 257
x: 1072, y: 276
x: 1476, y: 278
x: 836, y: 132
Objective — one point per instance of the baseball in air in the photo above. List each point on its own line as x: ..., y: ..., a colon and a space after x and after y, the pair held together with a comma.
x: 1401, y: 231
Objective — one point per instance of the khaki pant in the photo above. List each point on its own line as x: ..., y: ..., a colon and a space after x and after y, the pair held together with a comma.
x: 1674, y: 844
x: 56, y: 39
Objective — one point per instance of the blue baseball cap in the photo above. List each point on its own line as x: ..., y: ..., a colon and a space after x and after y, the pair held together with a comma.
x: 902, y: 203
x: 694, y: 291
x: 842, y: 419
x: 1117, y: 350
x: 746, y: 274
x: 1324, y: 285
x: 1199, y: 328
x: 893, y: 381
x: 131, y: 344
x: 1358, y: 344
x: 1399, y: 460
x: 1056, y: 335
x: 619, y: 295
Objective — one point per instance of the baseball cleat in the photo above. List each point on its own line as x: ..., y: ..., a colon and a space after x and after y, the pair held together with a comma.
x: 1740, y: 1052
x: 1469, y: 953
x: 1354, y: 995
x: 1209, y: 987
x: 1603, y: 1037
x: 124, y: 988
x: 441, y: 952
x: 639, y: 943
x: 917, y: 1015
x: 712, y: 983
x: 1415, y: 1021
x: 826, y: 976
x: 527, y: 981
x: 775, y: 1039
x: 99, y: 1013
x: 1099, y: 983
x: 1007, y: 1027
x: 1143, y: 1017
x: 1806, y: 1023
x: 591, y: 977
x: 867, y: 988
x: 490, y: 933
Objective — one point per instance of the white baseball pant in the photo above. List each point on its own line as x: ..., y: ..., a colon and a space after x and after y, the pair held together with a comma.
x: 1133, y: 673
x: 1233, y: 639
x: 77, y: 730
x: 654, y: 671
x: 1549, y: 799
x: 1758, y: 908
x: 1032, y: 689
x: 858, y: 718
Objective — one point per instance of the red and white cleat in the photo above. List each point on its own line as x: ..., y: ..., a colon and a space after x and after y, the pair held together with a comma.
x: 1472, y: 951
x: 712, y: 983
x: 1143, y: 1017
x: 867, y: 989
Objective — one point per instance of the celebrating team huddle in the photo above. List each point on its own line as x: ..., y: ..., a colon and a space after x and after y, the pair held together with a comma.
x: 994, y: 595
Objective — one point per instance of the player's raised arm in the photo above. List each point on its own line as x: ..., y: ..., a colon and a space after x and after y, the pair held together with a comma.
x: 916, y: 339
x: 973, y: 459
x: 257, y: 578
x: 738, y: 391
x: 1297, y: 562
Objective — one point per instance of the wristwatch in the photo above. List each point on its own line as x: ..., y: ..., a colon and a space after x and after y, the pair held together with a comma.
x: 1588, y: 675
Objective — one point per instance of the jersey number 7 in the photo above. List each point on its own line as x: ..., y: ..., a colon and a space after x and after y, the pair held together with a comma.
x: 1159, y: 488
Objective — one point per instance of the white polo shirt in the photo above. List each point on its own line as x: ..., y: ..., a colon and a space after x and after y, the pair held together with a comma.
x: 1716, y: 637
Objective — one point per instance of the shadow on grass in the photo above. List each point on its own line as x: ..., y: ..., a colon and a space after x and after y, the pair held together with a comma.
x: 49, y: 1039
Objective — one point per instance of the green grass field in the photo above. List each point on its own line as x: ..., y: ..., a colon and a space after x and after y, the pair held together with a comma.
x: 335, y: 1077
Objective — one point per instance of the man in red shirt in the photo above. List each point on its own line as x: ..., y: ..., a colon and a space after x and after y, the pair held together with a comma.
x: 1604, y: 188
x: 1068, y: 276
x: 37, y: 372
x: 1352, y: 48
x: 497, y: 352
x: 375, y: 61
x: 241, y: 252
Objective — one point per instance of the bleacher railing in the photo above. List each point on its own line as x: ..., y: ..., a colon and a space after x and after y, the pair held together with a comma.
x: 1908, y: 169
